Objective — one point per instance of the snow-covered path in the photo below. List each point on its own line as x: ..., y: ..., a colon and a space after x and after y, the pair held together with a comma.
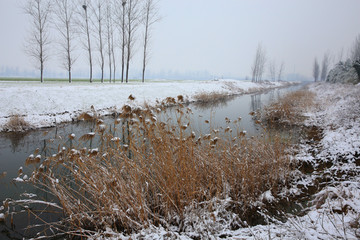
x: 44, y: 105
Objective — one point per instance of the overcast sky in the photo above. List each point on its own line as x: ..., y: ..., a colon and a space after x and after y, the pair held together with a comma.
x: 221, y: 36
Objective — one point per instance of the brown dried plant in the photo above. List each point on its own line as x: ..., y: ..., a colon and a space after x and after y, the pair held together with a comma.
x: 290, y: 108
x: 17, y: 123
x: 148, y: 171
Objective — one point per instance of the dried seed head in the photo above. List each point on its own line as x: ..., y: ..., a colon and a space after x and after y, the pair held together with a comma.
x: 126, y: 109
x: 72, y: 136
x: 131, y: 97
x: 180, y: 98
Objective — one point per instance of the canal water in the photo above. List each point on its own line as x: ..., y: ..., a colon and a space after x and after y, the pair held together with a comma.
x: 16, y: 147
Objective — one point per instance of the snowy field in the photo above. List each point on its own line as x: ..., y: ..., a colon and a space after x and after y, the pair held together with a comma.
x: 44, y: 105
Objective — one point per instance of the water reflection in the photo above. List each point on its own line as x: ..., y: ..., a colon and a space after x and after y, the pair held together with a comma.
x: 256, y: 103
x: 16, y: 139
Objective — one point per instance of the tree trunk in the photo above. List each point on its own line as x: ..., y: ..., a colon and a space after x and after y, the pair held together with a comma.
x: 145, y: 44
x: 89, y: 45
x: 123, y: 45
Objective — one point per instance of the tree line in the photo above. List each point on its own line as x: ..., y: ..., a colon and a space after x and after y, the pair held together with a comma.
x: 259, y: 66
x: 101, y: 27
x: 320, y: 72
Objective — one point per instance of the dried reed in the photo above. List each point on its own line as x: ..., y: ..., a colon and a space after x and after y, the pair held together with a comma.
x: 290, y: 108
x: 205, y: 97
x: 147, y: 171
x: 17, y: 123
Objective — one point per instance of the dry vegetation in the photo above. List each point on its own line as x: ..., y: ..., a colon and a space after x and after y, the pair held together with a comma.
x: 205, y: 97
x: 146, y: 171
x: 290, y: 108
x: 16, y: 123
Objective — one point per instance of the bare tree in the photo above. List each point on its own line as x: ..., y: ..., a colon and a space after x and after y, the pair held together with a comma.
x: 110, y: 39
x: 132, y: 23
x: 99, y: 15
x: 355, y: 50
x: 316, y: 70
x: 84, y: 25
x: 281, y: 71
x: 272, y: 70
x: 259, y: 64
x: 38, y: 42
x: 324, y: 67
x: 64, y: 11
x: 120, y: 21
x: 151, y: 16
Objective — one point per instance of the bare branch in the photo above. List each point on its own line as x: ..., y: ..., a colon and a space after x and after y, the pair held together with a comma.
x: 38, y: 42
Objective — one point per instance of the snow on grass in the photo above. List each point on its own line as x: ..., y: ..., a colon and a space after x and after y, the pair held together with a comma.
x: 44, y: 105
x: 333, y: 213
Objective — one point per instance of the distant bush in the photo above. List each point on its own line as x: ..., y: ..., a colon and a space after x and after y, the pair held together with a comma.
x: 16, y: 123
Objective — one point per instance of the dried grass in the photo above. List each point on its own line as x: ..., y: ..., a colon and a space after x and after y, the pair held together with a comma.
x: 147, y: 172
x: 290, y: 108
x: 206, y: 97
x: 17, y: 123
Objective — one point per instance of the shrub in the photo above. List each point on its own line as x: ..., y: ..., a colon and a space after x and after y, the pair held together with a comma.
x: 290, y: 108
x: 17, y: 123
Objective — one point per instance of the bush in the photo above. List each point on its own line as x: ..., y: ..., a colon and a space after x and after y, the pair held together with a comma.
x: 17, y: 123
x: 289, y: 109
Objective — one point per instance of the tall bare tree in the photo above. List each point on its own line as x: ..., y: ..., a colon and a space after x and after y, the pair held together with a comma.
x: 316, y: 70
x: 38, y: 43
x: 120, y: 21
x: 110, y: 39
x: 84, y: 23
x: 259, y: 64
x: 281, y: 72
x: 272, y: 70
x: 324, y: 67
x: 132, y: 24
x: 99, y: 16
x: 64, y: 23
x: 151, y: 16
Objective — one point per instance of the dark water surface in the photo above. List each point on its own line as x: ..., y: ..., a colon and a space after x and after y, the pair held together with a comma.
x: 15, y: 147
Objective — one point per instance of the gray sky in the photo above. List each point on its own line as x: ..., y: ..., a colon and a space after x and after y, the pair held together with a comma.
x: 221, y: 37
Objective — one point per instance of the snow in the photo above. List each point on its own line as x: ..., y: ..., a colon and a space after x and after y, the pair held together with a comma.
x: 334, y: 212
x: 44, y: 105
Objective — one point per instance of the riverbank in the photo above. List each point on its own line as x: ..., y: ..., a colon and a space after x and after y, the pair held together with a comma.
x: 329, y: 173
x: 45, y: 105
x: 329, y: 178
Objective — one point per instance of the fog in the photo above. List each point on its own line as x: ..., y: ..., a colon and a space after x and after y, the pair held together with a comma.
x: 216, y: 38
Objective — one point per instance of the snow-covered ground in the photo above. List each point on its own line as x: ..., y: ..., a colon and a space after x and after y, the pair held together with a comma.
x: 333, y: 213
x: 44, y: 105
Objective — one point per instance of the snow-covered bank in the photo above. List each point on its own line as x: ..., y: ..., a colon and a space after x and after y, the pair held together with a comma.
x: 334, y: 212
x: 45, y: 105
